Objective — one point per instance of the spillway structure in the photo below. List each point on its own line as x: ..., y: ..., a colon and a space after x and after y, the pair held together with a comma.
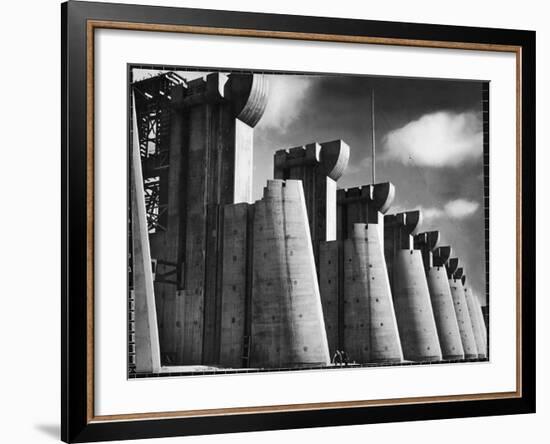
x: 318, y: 166
x: 454, y: 274
x: 435, y: 259
x: 196, y: 140
x: 368, y: 326
x: 413, y: 306
x: 287, y: 324
x: 476, y: 317
x: 346, y: 229
x: 305, y: 274
x: 143, y: 333
x: 353, y: 278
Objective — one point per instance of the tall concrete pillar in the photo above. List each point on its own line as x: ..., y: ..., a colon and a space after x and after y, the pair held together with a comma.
x: 485, y: 318
x: 331, y: 279
x: 236, y: 284
x: 144, y: 327
x: 483, y: 324
x: 287, y: 325
x: 318, y: 166
x: 210, y: 167
x: 454, y: 275
x: 196, y: 151
x: 413, y: 308
x: 365, y: 205
x: 440, y: 293
x: 478, y: 325
x: 370, y: 326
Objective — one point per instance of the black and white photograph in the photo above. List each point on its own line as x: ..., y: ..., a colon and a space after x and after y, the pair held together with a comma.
x: 300, y: 221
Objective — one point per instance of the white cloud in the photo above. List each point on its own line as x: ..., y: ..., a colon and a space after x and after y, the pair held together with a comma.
x: 461, y: 208
x: 432, y: 213
x: 454, y: 209
x: 438, y: 139
x: 286, y: 100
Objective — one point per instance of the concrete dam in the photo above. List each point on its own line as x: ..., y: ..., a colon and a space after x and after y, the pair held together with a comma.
x: 310, y: 275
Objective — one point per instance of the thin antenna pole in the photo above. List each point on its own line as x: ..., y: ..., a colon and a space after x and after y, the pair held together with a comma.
x: 373, y: 144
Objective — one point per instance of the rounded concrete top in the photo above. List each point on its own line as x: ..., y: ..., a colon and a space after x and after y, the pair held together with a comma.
x: 452, y: 265
x: 383, y: 196
x: 411, y: 220
x: 442, y: 255
x: 427, y: 239
x: 334, y: 157
x: 249, y: 94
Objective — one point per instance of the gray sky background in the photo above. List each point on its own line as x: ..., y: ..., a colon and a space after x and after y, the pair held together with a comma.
x: 428, y: 143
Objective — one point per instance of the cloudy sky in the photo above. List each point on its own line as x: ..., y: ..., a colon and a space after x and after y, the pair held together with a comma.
x: 428, y: 142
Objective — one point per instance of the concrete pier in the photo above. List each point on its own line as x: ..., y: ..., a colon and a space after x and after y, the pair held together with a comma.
x: 201, y: 160
x: 485, y: 323
x: 365, y: 204
x: 370, y: 326
x: 318, y: 166
x: 287, y: 325
x: 331, y: 281
x: 482, y: 323
x: 461, y: 310
x: 440, y: 293
x: 413, y: 308
x: 353, y: 278
x: 236, y: 284
x: 478, y: 325
x: 143, y: 328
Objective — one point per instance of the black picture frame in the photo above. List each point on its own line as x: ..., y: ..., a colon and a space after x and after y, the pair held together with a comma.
x: 78, y: 423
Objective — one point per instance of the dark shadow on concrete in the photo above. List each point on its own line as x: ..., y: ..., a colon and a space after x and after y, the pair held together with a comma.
x: 51, y: 430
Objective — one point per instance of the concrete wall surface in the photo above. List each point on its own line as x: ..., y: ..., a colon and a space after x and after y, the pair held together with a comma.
x: 370, y: 327
x: 413, y: 308
x: 287, y: 325
x: 444, y: 313
x: 463, y: 318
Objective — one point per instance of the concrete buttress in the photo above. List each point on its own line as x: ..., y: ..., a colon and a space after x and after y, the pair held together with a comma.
x: 145, y: 329
x: 287, y: 325
x: 370, y: 326
x: 478, y: 325
x: 461, y: 309
x: 440, y: 294
x: 210, y: 134
x: 236, y: 284
x: 413, y: 307
x: 330, y: 280
x: 318, y: 166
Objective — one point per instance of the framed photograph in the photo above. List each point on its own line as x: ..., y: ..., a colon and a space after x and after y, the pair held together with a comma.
x: 276, y: 221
